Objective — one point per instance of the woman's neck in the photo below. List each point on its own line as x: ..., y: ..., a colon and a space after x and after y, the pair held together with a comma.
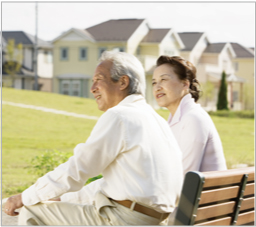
x: 173, y: 107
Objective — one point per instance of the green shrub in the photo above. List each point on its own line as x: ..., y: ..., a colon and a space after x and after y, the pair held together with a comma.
x: 49, y: 160
x: 222, y: 103
x: 233, y: 114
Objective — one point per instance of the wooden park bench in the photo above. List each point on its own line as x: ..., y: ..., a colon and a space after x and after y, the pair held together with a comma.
x: 217, y: 198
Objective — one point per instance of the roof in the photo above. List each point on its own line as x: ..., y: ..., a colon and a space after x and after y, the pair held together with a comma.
x: 155, y: 35
x: 214, y: 48
x: 190, y: 39
x: 115, y: 30
x: 24, y: 38
x: 241, y: 51
x: 235, y: 78
x: 81, y: 32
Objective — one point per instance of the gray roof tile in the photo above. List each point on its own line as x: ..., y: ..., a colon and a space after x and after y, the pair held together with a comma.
x: 214, y: 48
x: 24, y: 38
x: 241, y: 51
x: 114, y: 30
x: 155, y: 35
x: 190, y: 39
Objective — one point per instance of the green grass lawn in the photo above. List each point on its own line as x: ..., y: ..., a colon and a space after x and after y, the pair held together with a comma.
x: 27, y: 133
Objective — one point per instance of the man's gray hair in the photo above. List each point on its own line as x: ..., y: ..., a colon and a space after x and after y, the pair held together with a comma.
x: 126, y: 64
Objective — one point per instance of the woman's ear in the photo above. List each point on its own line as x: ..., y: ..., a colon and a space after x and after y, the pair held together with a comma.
x: 186, y: 84
x: 124, y: 82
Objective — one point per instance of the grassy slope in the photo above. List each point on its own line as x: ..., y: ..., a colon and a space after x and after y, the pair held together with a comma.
x: 26, y: 133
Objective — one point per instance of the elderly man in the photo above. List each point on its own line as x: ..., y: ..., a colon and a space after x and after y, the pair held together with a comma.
x: 133, y: 148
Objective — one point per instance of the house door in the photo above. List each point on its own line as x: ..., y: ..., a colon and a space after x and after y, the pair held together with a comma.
x: 70, y: 87
x: 75, y: 88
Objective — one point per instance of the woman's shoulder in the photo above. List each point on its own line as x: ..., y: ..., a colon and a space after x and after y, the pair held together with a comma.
x: 197, y: 115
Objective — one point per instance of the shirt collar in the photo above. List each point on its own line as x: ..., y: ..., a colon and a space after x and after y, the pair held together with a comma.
x: 131, y: 98
x: 185, y: 104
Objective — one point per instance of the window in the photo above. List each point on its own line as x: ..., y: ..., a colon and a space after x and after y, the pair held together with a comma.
x: 235, y: 96
x: 75, y: 91
x: 169, y: 52
x: 83, y: 53
x: 63, y: 53
x: 118, y: 49
x: 236, y: 66
x: 47, y: 57
x: 101, y: 50
x: 65, y: 87
x: 225, y: 65
x: 138, y: 50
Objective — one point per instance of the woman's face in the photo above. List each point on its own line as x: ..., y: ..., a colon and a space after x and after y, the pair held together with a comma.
x: 168, y: 89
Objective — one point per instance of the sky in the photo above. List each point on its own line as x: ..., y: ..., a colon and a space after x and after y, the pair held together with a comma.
x: 222, y: 21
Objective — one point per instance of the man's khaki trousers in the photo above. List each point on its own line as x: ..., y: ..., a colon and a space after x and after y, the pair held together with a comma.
x: 103, y: 212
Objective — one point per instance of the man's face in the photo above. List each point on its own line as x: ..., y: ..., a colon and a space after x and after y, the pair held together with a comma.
x: 105, y: 91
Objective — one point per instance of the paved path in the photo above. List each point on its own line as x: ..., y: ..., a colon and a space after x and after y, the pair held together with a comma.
x: 7, y: 220
x: 50, y: 110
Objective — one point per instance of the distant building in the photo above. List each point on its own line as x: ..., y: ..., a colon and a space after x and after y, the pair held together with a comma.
x: 211, y: 59
x: 25, y: 78
x: 243, y: 65
x: 76, y: 53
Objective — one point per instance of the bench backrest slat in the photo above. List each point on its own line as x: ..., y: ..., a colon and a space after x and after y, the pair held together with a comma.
x: 214, y: 195
x: 215, y: 210
x: 222, y: 221
x: 217, y: 198
x: 246, y: 218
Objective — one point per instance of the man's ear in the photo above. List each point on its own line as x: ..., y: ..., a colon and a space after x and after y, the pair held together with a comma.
x: 124, y: 82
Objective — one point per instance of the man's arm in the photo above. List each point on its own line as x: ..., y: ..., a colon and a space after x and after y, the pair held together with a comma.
x: 13, y: 203
x: 89, y: 159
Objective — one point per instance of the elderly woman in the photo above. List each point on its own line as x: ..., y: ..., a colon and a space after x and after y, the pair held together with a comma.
x: 175, y: 87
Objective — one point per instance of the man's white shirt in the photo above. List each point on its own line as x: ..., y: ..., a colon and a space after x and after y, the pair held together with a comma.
x: 135, y: 151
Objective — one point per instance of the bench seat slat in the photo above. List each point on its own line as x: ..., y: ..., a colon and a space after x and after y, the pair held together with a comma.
x: 245, y: 218
x: 218, y: 194
x: 215, y: 210
x: 222, y: 221
x: 247, y: 203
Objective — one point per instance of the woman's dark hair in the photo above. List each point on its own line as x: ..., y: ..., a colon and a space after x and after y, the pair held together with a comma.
x: 185, y: 70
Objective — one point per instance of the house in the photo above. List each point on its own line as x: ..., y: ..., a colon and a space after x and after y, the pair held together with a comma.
x: 76, y: 54
x: 243, y: 65
x: 195, y: 44
x: 24, y: 79
x: 76, y: 51
x: 216, y: 58
x: 211, y: 59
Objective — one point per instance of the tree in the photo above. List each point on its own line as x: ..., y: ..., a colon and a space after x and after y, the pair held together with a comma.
x: 222, y: 103
x: 13, y: 59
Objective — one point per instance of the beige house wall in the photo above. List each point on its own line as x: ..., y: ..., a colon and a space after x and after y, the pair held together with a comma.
x: 244, y: 68
x: 225, y: 62
x: 149, y: 49
x: 209, y: 59
x: 196, y: 53
x: 73, y: 65
x: 46, y: 84
x: 136, y: 38
x: 169, y: 46
x: 45, y: 65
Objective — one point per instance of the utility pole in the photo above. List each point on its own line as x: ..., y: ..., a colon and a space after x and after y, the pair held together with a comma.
x: 35, y: 53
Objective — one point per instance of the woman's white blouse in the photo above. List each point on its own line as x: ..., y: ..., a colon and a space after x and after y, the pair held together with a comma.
x: 197, y: 137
